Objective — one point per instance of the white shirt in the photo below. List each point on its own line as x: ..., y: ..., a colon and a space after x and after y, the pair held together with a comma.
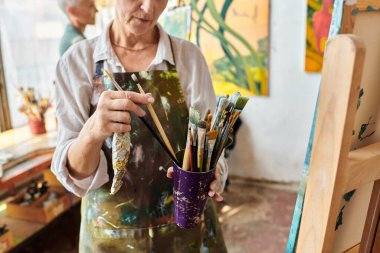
x: 74, y: 95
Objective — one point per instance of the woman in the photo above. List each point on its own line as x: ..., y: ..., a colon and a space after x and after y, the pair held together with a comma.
x: 139, y: 217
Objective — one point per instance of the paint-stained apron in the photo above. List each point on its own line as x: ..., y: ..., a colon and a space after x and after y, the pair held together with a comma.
x: 139, y: 218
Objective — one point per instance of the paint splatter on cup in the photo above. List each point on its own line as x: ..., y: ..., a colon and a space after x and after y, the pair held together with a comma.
x: 190, y: 195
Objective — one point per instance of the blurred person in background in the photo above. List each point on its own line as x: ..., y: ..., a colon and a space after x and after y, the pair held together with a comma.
x: 80, y: 14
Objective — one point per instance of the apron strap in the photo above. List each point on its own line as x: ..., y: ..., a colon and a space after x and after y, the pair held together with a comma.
x: 170, y: 66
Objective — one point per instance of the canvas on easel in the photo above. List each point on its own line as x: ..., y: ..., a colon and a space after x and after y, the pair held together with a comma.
x: 343, y: 168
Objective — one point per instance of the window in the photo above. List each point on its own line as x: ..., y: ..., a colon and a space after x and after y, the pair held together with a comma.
x: 5, y: 120
x: 30, y: 34
x: 31, y: 31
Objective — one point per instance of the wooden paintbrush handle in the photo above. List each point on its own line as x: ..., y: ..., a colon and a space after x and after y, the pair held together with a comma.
x: 158, y: 124
x: 160, y: 129
x: 186, y: 159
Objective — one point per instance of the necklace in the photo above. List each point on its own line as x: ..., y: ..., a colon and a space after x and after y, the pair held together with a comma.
x: 131, y: 49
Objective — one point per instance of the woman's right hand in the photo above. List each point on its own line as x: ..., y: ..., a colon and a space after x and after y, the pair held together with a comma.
x: 112, y: 114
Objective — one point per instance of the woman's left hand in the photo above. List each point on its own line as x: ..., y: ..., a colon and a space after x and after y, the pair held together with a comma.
x: 213, y: 186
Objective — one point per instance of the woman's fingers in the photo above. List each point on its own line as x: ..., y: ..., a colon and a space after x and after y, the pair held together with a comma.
x: 125, y: 105
x: 212, y: 193
x: 120, y: 117
x: 116, y: 127
x: 135, y: 97
x: 217, y: 173
x: 138, y: 98
x: 213, y: 185
x: 217, y: 197
x: 170, y: 172
x: 128, y: 101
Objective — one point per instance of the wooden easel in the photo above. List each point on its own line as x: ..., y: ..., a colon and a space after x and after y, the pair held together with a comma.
x: 339, y: 164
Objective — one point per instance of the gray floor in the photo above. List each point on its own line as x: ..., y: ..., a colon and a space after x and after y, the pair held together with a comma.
x: 256, y: 216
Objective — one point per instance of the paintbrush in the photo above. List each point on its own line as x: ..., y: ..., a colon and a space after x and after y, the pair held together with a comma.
x: 159, y: 140
x: 208, y: 122
x: 191, y: 151
x: 234, y: 97
x: 216, y: 146
x: 223, y: 136
x: 221, y: 141
x: 223, y: 103
x: 211, y: 144
x: 205, y: 154
x: 186, y: 156
x: 240, y: 104
x: 201, y: 142
x: 194, y: 117
x: 155, y: 118
x: 118, y: 87
x: 226, y: 114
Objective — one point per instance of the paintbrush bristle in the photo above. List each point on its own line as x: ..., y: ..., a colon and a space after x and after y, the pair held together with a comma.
x: 218, y: 101
x: 229, y: 106
x: 194, y: 115
x: 222, y: 106
x: 234, y: 97
x: 213, y: 134
x: 134, y: 77
x: 201, y: 124
x: 241, y: 102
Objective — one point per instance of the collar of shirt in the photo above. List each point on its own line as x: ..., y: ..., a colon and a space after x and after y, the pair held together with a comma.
x: 104, y: 51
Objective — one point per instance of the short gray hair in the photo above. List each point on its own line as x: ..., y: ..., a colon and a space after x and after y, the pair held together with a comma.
x: 63, y: 4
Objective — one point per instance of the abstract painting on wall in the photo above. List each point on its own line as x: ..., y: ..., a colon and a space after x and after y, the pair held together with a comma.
x: 234, y: 38
x: 177, y: 22
x: 319, y: 13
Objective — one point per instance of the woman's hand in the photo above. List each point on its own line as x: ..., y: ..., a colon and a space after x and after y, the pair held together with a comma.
x: 213, y: 186
x: 112, y: 114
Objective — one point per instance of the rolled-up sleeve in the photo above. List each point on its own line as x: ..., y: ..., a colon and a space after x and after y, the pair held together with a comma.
x: 73, y: 92
x: 201, y: 95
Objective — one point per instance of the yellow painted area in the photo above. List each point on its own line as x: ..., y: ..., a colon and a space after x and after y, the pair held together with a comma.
x: 313, y: 61
x: 223, y: 87
x: 258, y: 75
x: 315, y: 4
x: 323, y: 44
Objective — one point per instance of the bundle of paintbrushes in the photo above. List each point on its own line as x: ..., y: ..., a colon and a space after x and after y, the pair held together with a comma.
x: 207, y: 137
x: 33, y: 106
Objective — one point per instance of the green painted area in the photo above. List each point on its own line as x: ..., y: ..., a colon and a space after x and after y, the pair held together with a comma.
x: 363, y: 134
x: 247, y: 71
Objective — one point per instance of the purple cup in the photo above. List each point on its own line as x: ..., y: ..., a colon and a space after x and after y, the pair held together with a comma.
x: 190, y: 190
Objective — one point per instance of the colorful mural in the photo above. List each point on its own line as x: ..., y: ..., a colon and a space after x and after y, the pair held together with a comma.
x: 234, y: 38
x: 319, y: 14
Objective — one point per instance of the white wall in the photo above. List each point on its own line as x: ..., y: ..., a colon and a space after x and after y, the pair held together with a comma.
x: 272, y: 142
